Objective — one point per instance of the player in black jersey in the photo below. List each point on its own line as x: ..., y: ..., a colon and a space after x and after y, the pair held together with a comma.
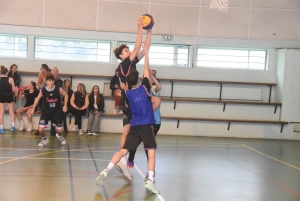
x: 52, y: 109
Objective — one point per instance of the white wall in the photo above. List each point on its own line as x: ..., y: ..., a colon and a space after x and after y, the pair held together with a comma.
x: 288, y: 90
x: 245, y: 19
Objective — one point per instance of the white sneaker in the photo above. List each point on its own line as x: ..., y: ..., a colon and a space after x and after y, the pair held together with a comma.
x: 80, y: 132
x: 29, y: 128
x: 121, y: 111
x: 149, y: 185
x: 89, y: 132
x: 74, y: 128
x: 22, y: 127
x: 95, y: 133
x: 43, y: 142
x: 123, y: 169
x: 115, y: 111
x: 102, y: 176
x: 61, y: 139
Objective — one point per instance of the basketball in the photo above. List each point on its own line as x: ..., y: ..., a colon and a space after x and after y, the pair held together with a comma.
x: 148, y: 21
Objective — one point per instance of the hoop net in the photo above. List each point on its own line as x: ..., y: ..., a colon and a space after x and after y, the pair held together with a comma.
x: 220, y: 5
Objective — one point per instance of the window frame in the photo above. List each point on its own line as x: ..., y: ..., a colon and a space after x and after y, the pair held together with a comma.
x: 232, y: 48
x: 15, y: 44
x: 97, y: 42
x: 175, y: 59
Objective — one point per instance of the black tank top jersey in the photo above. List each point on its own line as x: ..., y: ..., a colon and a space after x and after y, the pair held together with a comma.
x: 51, y: 101
x: 5, y: 87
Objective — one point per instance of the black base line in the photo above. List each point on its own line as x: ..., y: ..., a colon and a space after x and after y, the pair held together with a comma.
x: 71, y: 175
x: 96, y: 167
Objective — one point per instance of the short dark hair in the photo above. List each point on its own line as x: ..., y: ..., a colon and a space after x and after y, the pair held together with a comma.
x: 133, y: 78
x: 3, y: 70
x: 50, y: 77
x: 119, y: 50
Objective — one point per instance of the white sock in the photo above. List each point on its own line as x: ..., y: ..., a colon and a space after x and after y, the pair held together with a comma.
x: 124, y: 160
x: 110, y: 166
x: 12, y: 123
x: 21, y: 122
x: 1, y: 126
x: 151, y: 175
x: 30, y: 124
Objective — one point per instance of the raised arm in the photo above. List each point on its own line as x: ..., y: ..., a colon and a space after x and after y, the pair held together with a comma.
x: 138, y: 42
x: 141, y: 54
x: 146, y: 63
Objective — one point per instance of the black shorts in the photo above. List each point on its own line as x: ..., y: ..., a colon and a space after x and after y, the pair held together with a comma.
x: 55, y: 118
x: 156, y: 128
x: 6, y: 99
x: 138, y: 134
x: 126, y: 119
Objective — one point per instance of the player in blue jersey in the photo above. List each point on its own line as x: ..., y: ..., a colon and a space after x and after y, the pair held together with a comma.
x: 141, y: 125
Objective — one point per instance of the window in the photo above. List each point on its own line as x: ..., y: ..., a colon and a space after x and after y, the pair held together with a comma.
x: 231, y: 58
x: 13, y: 46
x: 171, y: 55
x: 64, y: 49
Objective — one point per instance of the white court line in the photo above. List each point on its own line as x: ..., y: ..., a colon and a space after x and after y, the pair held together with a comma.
x: 143, y: 176
x: 52, y: 150
x: 78, y: 159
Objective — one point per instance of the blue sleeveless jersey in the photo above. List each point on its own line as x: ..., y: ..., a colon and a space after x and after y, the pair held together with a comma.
x: 140, y: 106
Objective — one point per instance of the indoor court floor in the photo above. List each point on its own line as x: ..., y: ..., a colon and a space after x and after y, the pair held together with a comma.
x: 187, y: 169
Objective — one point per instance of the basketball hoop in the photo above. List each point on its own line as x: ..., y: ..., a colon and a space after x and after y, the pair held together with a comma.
x: 219, y: 5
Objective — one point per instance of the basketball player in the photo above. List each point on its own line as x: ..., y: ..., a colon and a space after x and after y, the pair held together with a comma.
x: 51, y: 110
x: 155, y: 91
x: 128, y: 64
x: 141, y: 125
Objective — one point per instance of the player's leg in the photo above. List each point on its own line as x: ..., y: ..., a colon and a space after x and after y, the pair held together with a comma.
x: 42, y: 125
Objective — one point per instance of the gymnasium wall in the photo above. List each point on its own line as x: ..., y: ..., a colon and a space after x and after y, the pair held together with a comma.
x: 246, y: 19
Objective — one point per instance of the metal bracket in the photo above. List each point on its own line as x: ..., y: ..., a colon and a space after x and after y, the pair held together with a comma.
x: 177, y: 123
x: 224, y: 107
x: 174, y: 105
x: 228, y: 126
x: 220, y: 91
x: 281, y: 128
x: 172, y: 89
x: 270, y: 94
x: 275, y: 109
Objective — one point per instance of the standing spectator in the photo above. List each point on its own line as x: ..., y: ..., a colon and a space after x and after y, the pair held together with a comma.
x: 16, y: 76
x: 31, y: 93
x: 7, y: 88
x: 45, y: 70
x: 116, y: 92
x: 69, y: 91
x: 79, y: 101
x: 58, y: 81
x: 96, y: 109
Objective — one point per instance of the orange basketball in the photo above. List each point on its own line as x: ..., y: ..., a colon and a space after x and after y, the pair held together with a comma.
x: 148, y: 21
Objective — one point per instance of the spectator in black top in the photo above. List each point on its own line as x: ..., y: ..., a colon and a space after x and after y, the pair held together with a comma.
x: 30, y: 93
x: 69, y: 91
x: 79, y: 101
x: 16, y: 76
x: 7, y: 88
x: 116, y: 92
x: 96, y: 109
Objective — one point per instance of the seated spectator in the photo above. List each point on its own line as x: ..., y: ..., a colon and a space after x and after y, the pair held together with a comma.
x: 16, y: 76
x: 30, y: 93
x: 69, y: 91
x: 116, y: 92
x: 96, y: 109
x: 79, y: 101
